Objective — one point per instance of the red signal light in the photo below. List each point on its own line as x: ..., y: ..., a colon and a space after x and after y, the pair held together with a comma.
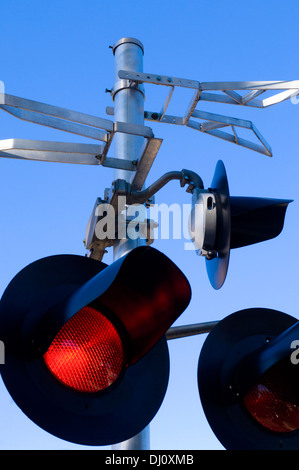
x: 103, y: 377
x: 274, y: 400
x: 87, y: 354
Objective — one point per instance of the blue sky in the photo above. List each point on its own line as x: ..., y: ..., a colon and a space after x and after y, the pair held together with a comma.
x: 58, y: 53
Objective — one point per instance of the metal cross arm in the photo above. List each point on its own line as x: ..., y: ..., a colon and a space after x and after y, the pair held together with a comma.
x: 252, y: 88
x: 216, y: 121
x: 80, y: 124
x: 61, y: 152
x: 58, y: 118
x: 225, y: 92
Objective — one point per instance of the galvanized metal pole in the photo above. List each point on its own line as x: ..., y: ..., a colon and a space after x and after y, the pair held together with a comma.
x: 128, y: 100
x: 190, y: 330
x: 128, y: 107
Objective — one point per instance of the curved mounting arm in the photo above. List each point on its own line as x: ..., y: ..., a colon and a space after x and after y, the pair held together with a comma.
x: 184, y: 176
x: 122, y: 188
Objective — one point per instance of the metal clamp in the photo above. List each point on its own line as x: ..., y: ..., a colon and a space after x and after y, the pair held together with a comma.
x: 125, y: 84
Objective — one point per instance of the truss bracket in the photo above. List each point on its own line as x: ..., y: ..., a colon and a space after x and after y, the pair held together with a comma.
x: 223, y: 92
x: 80, y: 124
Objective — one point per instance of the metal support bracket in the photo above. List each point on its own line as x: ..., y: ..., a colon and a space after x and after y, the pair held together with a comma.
x: 225, y: 93
x: 121, y: 195
x: 217, y: 121
x: 80, y: 124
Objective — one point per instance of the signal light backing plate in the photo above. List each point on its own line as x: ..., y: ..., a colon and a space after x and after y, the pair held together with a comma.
x: 217, y: 267
x: 230, y: 340
x: 112, y: 416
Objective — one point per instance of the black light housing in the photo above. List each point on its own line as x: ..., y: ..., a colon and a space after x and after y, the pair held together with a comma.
x: 106, y: 324
x: 236, y: 222
x: 248, y: 383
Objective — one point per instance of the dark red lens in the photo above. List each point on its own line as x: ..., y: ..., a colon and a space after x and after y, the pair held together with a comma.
x: 274, y: 400
x: 87, y: 353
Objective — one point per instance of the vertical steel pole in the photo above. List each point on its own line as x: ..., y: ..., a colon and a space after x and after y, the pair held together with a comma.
x: 128, y: 107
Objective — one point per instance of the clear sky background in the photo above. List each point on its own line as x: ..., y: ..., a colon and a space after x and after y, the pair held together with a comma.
x: 58, y: 53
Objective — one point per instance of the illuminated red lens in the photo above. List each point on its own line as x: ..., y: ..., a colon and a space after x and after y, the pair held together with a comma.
x: 274, y: 401
x: 87, y: 353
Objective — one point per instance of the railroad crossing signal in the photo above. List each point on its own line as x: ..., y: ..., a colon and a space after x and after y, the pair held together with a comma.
x: 87, y: 341
x: 251, y: 397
